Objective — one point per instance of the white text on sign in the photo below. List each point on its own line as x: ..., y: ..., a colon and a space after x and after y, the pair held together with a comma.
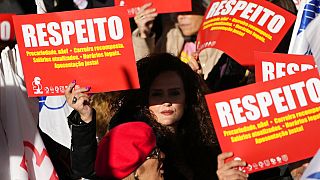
x: 56, y: 34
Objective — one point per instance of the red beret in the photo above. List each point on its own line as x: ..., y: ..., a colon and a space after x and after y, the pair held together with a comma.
x: 124, y: 149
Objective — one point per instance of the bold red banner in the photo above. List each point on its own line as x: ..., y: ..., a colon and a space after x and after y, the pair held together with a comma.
x: 91, y: 46
x: 162, y: 6
x: 269, y: 66
x: 241, y: 27
x: 6, y: 27
x: 265, y: 123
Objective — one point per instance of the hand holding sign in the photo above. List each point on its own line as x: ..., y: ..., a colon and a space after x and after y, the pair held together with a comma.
x: 77, y: 45
x: 163, y: 6
x: 258, y: 26
x: 261, y: 122
x: 79, y: 101
x: 144, y: 19
x: 228, y: 170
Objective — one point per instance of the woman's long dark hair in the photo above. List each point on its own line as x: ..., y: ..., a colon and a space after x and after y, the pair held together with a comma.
x: 196, y: 122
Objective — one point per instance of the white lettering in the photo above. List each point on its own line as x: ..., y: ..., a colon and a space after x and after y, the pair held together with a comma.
x: 5, y: 29
x: 253, y: 107
x: 267, y: 71
x: 115, y: 28
x: 29, y: 37
x: 56, y: 38
x: 224, y: 113
x: 248, y: 11
x: 80, y: 31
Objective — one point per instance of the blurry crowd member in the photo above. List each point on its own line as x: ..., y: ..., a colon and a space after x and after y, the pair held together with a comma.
x: 178, y: 39
x: 220, y: 71
x: 106, y: 106
x: 228, y: 73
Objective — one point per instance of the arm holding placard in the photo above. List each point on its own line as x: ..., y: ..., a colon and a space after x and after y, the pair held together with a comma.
x: 82, y: 124
x: 143, y: 38
x: 228, y: 170
x: 144, y: 20
x: 79, y: 101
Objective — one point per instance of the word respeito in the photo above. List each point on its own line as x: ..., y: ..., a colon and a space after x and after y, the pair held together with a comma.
x: 282, y: 99
x: 83, y: 30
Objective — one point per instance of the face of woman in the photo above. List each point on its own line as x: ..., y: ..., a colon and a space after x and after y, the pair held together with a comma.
x: 189, y: 23
x: 167, y: 98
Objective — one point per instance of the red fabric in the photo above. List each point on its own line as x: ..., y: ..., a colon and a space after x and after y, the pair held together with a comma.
x: 124, y: 149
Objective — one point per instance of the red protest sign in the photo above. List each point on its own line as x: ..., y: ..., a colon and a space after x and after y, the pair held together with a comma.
x: 163, y: 6
x: 6, y: 27
x: 269, y: 66
x: 241, y: 27
x: 91, y: 46
x: 264, y: 123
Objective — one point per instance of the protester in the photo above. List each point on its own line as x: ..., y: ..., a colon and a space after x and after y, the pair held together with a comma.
x: 59, y: 151
x: 176, y: 102
x: 175, y: 95
x: 172, y: 92
x: 220, y: 71
x: 229, y: 170
x: 190, y: 145
x: 114, y: 159
x: 129, y: 151
x: 178, y: 39
x: 228, y: 73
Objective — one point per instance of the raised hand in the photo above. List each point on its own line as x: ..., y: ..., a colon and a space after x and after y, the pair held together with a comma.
x: 194, y: 63
x: 144, y: 19
x: 79, y: 101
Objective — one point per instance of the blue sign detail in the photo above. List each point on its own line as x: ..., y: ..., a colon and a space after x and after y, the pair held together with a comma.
x: 42, y: 102
x: 310, y: 11
x: 314, y: 176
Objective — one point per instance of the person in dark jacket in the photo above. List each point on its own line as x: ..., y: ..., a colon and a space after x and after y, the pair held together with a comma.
x: 174, y: 97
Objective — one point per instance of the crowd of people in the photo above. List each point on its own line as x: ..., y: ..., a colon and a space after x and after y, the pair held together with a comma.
x: 162, y: 130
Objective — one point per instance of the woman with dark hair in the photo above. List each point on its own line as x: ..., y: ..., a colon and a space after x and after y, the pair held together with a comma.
x: 171, y: 100
x: 175, y: 95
